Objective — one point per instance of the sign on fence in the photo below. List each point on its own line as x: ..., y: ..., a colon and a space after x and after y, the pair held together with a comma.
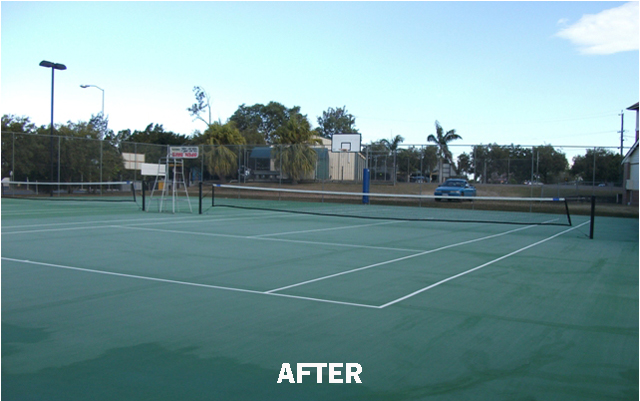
x: 183, y: 152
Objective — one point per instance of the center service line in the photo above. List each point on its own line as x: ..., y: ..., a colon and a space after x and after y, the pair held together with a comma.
x: 480, y: 267
x: 398, y: 259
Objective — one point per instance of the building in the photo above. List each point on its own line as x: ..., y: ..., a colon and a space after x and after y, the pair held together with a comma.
x: 333, y: 166
x: 630, y: 169
x: 338, y: 166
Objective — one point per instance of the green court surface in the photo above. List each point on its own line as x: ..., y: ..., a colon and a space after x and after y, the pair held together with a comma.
x: 106, y: 302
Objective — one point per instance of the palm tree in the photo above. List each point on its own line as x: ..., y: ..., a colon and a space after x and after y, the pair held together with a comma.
x: 293, y: 153
x: 442, y: 142
x: 219, y: 158
x: 392, y: 147
x: 392, y: 144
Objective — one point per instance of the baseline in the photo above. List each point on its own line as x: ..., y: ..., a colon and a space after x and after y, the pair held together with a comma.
x: 187, y: 283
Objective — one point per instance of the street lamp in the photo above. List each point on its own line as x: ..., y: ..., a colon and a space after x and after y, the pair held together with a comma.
x: 94, y: 86
x: 54, y: 67
x: 105, y: 128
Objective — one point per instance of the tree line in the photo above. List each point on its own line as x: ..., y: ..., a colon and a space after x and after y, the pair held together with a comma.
x: 292, y: 137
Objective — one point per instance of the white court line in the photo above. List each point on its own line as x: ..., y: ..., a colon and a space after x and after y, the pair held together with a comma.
x: 49, y: 230
x: 188, y: 283
x: 323, y: 229
x: 399, y: 259
x: 293, y: 241
x: 296, y: 296
x: 11, y: 213
x: 109, y: 223
x: 479, y: 267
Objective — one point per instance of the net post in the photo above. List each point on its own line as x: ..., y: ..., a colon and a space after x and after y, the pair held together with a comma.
x: 213, y: 195
x: 133, y: 189
x: 566, y: 208
x: 144, y: 190
x: 200, y: 197
x: 365, y: 185
x: 593, y: 216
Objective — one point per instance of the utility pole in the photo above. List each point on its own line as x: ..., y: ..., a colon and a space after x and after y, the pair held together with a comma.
x: 621, y: 132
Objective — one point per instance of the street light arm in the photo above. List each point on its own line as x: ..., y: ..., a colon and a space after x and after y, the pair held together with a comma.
x: 95, y: 86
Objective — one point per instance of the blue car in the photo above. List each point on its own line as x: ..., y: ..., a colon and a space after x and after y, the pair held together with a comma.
x: 455, y: 187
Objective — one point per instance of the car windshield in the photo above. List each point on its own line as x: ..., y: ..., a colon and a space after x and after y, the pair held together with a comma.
x: 453, y: 184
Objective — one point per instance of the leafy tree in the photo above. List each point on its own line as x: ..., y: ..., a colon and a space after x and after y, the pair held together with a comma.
x: 12, y: 123
x: 464, y: 164
x: 84, y: 156
x: 336, y: 121
x: 23, y: 153
x: 293, y: 153
x: 550, y: 163
x: 497, y: 163
x: 379, y: 161
x: 607, y: 166
x: 260, y: 122
x: 513, y: 163
x: 429, y: 159
x: 155, y: 133
x: 408, y: 161
x: 442, y: 142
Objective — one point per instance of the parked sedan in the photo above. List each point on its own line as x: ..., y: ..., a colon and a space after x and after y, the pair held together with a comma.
x: 455, y: 187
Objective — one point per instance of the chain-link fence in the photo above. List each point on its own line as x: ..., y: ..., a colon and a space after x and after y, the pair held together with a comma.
x: 36, y: 157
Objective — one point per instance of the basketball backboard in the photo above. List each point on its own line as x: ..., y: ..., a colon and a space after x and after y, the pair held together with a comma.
x: 346, y: 143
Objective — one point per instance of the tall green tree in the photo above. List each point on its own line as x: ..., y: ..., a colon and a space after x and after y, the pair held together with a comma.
x: 429, y: 160
x: 498, y: 163
x: 464, y: 164
x: 442, y: 140
x: 607, y: 166
x: 260, y: 122
x: 293, y: 150
x: 336, y: 121
x: 156, y: 134
x: 550, y: 163
x: 84, y: 155
x: 408, y: 161
x: 23, y: 153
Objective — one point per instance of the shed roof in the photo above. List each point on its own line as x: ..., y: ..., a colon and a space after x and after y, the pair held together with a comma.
x: 261, y: 153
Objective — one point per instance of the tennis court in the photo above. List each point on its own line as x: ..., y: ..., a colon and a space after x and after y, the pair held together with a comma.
x: 103, y: 301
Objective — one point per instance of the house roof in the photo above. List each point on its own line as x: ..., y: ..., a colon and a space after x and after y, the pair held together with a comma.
x: 634, y: 107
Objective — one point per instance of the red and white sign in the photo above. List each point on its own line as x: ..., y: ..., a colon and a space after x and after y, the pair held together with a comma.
x: 183, y: 152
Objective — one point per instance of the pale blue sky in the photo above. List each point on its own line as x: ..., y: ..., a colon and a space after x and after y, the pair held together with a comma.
x: 494, y: 71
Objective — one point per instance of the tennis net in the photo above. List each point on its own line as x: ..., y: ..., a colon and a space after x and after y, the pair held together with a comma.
x: 120, y: 191
x: 507, y: 210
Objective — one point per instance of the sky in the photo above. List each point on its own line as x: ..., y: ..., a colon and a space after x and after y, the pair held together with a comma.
x: 527, y: 73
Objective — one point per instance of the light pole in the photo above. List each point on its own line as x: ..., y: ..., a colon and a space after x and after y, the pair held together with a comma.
x: 94, y: 86
x: 54, y: 67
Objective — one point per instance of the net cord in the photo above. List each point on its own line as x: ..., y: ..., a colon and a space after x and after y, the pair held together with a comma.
x: 34, y: 183
x: 381, y: 195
